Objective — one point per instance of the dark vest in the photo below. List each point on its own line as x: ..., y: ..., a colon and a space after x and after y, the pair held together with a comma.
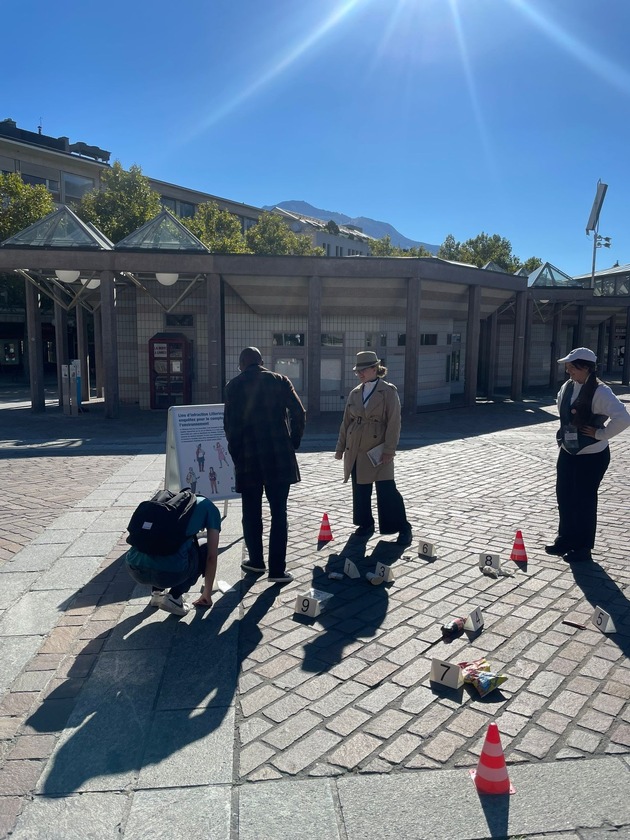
x: 567, y: 419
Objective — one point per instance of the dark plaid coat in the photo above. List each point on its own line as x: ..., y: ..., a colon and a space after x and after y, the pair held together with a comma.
x: 264, y: 423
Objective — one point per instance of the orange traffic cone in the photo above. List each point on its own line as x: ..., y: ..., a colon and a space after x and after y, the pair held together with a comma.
x: 491, y: 775
x: 519, y: 555
x: 325, y: 534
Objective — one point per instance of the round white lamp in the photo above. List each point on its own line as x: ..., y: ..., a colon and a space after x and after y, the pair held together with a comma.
x: 67, y: 276
x: 167, y: 279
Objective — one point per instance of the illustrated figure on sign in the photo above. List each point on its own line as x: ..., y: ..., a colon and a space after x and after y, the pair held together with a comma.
x: 212, y: 477
x: 200, y: 455
x: 191, y: 479
x: 222, y: 454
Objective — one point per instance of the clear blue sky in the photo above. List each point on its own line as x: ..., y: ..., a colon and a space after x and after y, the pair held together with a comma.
x: 438, y: 116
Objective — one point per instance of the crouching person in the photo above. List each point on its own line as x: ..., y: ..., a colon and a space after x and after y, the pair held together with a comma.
x: 171, y: 575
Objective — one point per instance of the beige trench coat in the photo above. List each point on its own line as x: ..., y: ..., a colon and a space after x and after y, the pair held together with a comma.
x: 362, y: 428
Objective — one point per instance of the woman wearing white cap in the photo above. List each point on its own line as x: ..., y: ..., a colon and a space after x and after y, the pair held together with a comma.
x: 367, y: 442
x: 590, y: 414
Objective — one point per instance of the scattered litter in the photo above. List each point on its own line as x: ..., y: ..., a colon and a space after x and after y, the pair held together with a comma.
x: 478, y: 673
x: 496, y: 573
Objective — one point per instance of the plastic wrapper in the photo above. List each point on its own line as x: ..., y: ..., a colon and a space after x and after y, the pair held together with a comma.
x: 479, y: 674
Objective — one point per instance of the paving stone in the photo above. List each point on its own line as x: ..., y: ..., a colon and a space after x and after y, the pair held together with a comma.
x: 266, y: 810
x: 584, y: 741
x: 443, y: 745
x: 86, y: 817
x: 252, y: 756
x: 191, y: 812
x: 568, y: 703
x: 19, y: 777
x: 307, y: 751
x: 537, y: 742
x: 15, y: 652
x: 378, y: 698
x: 33, y: 747
x: 400, y: 748
x: 259, y: 699
x: 354, y: 750
x: 283, y: 736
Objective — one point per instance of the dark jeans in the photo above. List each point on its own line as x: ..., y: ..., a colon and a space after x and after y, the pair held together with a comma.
x: 251, y: 499
x: 390, y: 506
x: 577, y: 481
x: 177, y: 582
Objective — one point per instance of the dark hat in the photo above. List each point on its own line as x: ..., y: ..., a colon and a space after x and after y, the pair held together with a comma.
x: 366, y: 359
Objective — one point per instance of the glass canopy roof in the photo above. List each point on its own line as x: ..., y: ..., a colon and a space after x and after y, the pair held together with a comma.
x: 548, y: 276
x: 60, y: 229
x: 165, y: 233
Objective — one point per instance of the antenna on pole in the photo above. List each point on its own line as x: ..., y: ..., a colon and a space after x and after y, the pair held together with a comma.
x: 592, y: 226
x: 593, y: 219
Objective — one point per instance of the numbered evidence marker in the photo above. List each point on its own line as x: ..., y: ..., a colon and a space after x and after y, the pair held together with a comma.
x: 602, y: 620
x: 446, y: 673
x: 426, y: 549
x: 474, y: 621
x: 310, y: 603
x: 384, y: 572
x: 489, y: 561
x: 350, y: 569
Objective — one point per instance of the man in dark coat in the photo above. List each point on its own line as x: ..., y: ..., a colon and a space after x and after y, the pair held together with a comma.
x: 264, y: 423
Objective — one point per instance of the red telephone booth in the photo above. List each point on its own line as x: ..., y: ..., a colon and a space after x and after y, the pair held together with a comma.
x: 170, y: 370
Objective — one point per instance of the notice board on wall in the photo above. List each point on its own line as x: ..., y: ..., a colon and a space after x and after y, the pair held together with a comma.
x: 196, y: 452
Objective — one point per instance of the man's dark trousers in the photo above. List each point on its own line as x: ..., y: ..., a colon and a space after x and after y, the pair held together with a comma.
x: 251, y: 499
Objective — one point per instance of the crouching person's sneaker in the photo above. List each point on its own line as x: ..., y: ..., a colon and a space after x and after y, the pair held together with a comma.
x: 177, y: 606
x: 156, y: 597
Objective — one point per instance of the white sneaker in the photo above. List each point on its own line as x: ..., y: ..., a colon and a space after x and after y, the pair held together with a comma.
x: 156, y: 597
x: 176, y: 606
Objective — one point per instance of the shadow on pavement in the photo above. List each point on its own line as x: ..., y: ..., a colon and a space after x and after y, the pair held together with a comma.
x: 158, y: 687
x: 600, y: 590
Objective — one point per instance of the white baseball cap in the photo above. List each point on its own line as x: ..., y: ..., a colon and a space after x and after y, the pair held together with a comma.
x: 582, y: 353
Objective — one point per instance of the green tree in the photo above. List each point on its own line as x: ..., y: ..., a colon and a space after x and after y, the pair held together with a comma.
x: 124, y: 204
x: 21, y: 204
x: 484, y: 248
x: 218, y: 229
x: 271, y: 237
x: 532, y: 264
x: 332, y: 227
x: 383, y: 248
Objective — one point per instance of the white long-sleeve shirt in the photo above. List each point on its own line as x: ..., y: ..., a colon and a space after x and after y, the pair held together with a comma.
x: 606, y: 403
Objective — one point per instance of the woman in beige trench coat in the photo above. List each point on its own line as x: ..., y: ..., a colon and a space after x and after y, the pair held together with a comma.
x: 372, y: 418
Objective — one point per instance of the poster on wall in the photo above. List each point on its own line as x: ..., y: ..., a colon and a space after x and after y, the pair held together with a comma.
x: 196, y: 452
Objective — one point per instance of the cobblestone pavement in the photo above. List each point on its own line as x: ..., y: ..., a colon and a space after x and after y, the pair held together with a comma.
x: 113, y: 717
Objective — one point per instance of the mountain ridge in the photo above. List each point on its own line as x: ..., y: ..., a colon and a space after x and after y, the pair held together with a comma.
x: 372, y: 227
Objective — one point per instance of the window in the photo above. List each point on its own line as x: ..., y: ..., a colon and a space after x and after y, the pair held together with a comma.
x: 332, y: 339
x: 49, y: 183
x: 402, y: 339
x: 169, y: 203
x: 330, y: 375
x: 428, y: 338
x: 375, y: 340
x: 183, y: 320
x: 75, y: 186
x: 455, y: 359
x: 186, y: 210
x: 293, y: 369
x: 288, y: 340
x: 456, y: 338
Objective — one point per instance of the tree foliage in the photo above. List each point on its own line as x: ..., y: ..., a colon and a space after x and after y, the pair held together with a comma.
x: 124, y: 204
x: 383, y: 248
x: 271, y: 237
x: 219, y: 230
x: 21, y: 204
x: 484, y: 248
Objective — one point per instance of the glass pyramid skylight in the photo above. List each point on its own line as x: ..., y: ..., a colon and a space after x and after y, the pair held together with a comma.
x: 165, y: 233
x: 548, y: 276
x: 60, y: 229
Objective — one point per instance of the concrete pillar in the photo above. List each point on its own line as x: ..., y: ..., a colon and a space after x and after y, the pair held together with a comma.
x: 412, y: 346
x: 61, y: 343
x: 110, y: 345
x: 98, y: 353
x: 612, y: 330
x: 491, y: 369
x: 518, y: 347
x: 35, y: 347
x: 472, y: 344
x: 556, y: 351
x: 625, y: 373
x: 82, y: 352
x: 314, y: 347
x: 529, y: 318
x: 601, y: 344
x: 578, y: 340
x: 216, y: 343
